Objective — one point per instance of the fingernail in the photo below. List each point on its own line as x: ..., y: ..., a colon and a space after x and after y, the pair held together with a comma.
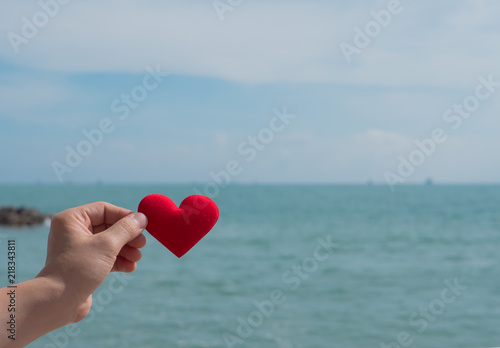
x: 141, y: 219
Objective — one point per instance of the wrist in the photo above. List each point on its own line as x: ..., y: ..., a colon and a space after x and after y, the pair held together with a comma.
x: 41, y: 308
x: 60, y: 297
x: 53, y: 292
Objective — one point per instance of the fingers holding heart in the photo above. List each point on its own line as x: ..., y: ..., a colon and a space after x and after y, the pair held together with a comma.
x: 130, y: 253
x: 138, y: 242
x: 124, y: 265
x: 127, y: 259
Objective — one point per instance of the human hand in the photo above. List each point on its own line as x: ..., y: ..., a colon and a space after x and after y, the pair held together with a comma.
x: 87, y: 243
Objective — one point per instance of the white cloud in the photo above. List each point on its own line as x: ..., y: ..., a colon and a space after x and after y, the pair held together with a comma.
x: 261, y: 41
x: 351, y: 158
x: 368, y: 155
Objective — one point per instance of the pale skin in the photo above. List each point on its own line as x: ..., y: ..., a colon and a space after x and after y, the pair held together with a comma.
x: 85, y: 244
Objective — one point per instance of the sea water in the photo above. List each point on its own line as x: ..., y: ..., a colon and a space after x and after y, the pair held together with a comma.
x: 417, y: 267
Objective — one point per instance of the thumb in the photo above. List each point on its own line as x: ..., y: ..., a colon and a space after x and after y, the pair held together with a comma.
x: 125, y: 230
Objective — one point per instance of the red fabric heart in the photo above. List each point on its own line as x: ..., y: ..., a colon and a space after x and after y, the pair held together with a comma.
x: 179, y: 229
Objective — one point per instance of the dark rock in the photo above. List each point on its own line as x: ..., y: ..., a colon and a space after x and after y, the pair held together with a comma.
x: 21, y: 216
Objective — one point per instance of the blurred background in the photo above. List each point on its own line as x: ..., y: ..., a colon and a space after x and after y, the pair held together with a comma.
x: 373, y: 123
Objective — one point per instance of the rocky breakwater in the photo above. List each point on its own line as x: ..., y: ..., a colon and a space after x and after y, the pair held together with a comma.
x: 20, y: 216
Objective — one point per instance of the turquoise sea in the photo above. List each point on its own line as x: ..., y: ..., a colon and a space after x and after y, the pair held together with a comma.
x: 419, y: 267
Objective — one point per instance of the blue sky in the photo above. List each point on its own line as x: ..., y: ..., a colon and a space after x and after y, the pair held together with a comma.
x: 354, y: 120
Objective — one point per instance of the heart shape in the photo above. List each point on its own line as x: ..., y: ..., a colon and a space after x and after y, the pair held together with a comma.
x: 179, y: 229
